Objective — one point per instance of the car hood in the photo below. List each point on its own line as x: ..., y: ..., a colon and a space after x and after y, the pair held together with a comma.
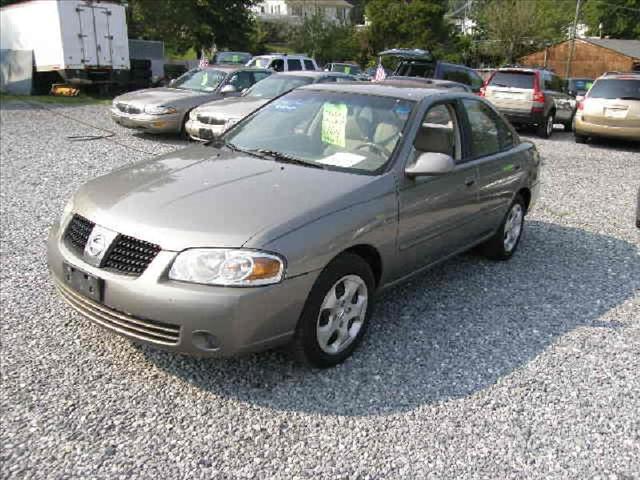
x: 204, y: 197
x: 160, y: 96
x: 231, y: 107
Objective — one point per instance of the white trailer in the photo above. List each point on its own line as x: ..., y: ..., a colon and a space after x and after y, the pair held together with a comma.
x: 83, y: 41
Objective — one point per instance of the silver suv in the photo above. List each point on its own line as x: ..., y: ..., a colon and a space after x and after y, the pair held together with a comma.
x: 532, y: 97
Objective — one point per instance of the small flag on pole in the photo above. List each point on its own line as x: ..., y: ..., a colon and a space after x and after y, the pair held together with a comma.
x: 204, y: 61
x: 380, y: 73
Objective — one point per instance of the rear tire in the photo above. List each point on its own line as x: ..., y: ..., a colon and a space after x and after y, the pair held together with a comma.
x: 545, y: 129
x: 505, y: 241
x: 336, y: 313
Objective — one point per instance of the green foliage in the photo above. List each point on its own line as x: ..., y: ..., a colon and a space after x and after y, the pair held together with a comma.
x: 194, y: 24
x: 409, y: 24
x: 619, y: 18
x: 325, y: 41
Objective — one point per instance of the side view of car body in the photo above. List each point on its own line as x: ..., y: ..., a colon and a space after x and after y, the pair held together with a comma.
x: 420, y: 63
x: 166, y: 109
x: 610, y: 109
x: 531, y: 97
x: 212, y: 119
x: 284, y: 230
x: 419, y: 82
x: 282, y: 62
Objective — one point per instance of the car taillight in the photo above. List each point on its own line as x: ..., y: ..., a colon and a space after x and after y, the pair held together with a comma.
x: 538, y: 95
x: 581, y: 105
x: 482, y: 91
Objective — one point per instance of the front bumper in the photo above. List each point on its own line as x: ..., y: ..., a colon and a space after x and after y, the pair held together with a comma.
x: 171, y: 123
x: 595, y: 130
x: 155, y: 310
x: 203, y: 131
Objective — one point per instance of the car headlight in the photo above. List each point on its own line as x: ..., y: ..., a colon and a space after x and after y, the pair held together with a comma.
x: 159, y: 110
x: 114, y: 103
x: 193, y: 114
x: 227, y: 267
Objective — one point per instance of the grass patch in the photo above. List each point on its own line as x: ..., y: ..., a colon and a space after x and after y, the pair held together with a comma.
x: 81, y: 99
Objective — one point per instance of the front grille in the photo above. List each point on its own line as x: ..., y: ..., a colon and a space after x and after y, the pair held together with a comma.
x: 211, y: 120
x: 130, y: 255
x: 141, y: 328
x: 126, y: 255
x: 78, y: 232
x: 127, y: 108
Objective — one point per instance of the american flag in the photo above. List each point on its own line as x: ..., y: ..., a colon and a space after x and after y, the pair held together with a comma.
x: 380, y: 74
x: 204, y: 61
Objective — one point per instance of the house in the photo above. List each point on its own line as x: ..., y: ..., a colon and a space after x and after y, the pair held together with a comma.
x: 591, y: 57
x: 295, y: 11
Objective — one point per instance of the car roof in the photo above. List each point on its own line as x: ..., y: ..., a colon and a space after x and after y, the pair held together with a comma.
x: 380, y: 89
x: 228, y: 68
x: 283, y: 55
x: 421, y: 82
x: 312, y: 73
x: 620, y: 76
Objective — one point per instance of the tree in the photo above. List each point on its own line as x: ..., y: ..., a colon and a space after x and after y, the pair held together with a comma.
x: 619, y: 18
x: 325, y: 40
x: 197, y: 24
x: 409, y: 24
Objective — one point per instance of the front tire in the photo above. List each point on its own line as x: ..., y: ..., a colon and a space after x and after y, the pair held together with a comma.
x: 505, y: 241
x: 336, y: 314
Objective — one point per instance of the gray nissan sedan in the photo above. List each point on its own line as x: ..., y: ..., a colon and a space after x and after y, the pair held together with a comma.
x: 166, y: 109
x: 286, y: 228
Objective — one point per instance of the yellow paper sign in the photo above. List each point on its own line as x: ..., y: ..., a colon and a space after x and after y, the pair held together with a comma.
x: 347, y: 69
x: 235, y: 58
x: 334, y: 124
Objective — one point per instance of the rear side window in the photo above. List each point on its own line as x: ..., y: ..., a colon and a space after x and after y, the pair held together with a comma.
x: 456, y: 75
x: 513, y: 79
x: 489, y: 134
x: 294, y: 64
x: 277, y: 65
x: 308, y: 65
x: 616, y: 88
x: 416, y: 69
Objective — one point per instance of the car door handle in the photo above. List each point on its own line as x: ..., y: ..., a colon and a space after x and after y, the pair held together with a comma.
x: 470, y: 181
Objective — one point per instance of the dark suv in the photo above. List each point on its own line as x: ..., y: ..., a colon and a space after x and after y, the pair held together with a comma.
x: 531, y: 96
x: 420, y: 63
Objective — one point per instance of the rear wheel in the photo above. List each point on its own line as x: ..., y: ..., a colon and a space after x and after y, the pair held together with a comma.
x: 545, y: 129
x: 336, y: 313
x: 505, y: 241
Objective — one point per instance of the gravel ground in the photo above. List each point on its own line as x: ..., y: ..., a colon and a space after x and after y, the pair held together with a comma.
x: 476, y: 370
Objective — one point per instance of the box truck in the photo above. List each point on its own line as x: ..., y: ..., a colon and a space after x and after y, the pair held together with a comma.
x: 75, y: 41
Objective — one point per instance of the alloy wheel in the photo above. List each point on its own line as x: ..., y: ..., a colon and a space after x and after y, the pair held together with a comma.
x: 513, y: 227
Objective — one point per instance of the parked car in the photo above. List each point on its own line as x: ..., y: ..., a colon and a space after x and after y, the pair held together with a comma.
x: 418, y: 82
x: 578, y: 87
x: 530, y: 97
x: 282, y: 62
x: 166, y: 109
x: 421, y: 63
x: 212, y: 119
x: 610, y: 109
x: 638, y: 210
x: 349, y: 69
x: 287, y: 228
x: 232, y: 58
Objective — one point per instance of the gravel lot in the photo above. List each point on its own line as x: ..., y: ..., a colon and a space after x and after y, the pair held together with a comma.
x: 476, y: 370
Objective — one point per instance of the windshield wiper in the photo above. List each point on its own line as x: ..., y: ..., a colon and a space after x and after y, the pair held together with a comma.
x: 286, y: 158
x: 218, y: 143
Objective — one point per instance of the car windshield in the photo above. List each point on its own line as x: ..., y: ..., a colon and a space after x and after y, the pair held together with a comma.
x: 260, y: 62
x: 513, y: 79
x: 345, y: 68
x: 616, y: 88
x: 276, y: 85
x: 580, y: 85
x: 339, y: 130
x: 237, y: 58
x: 201, y: 80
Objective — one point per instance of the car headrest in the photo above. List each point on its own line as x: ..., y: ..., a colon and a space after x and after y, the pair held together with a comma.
x: 435, y: 138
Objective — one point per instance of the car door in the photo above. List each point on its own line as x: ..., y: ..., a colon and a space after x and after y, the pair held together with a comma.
x: 433, y: 210
x: 493, y: 148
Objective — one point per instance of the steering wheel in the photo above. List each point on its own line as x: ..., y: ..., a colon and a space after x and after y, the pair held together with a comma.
x: 374, y: 146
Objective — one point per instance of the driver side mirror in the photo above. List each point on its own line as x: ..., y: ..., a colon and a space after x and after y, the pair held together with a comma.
x: 228, y: 89
x: 430, y: 163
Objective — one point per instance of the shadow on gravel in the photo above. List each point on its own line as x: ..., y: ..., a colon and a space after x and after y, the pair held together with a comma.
x: 594, y: 143
x: 453, y: 332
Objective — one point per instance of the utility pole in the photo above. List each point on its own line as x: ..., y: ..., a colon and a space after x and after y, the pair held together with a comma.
x: 573, y: 41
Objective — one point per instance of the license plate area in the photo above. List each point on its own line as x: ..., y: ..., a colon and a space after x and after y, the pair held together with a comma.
x: 83, y: 282
x: 615, y: 112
